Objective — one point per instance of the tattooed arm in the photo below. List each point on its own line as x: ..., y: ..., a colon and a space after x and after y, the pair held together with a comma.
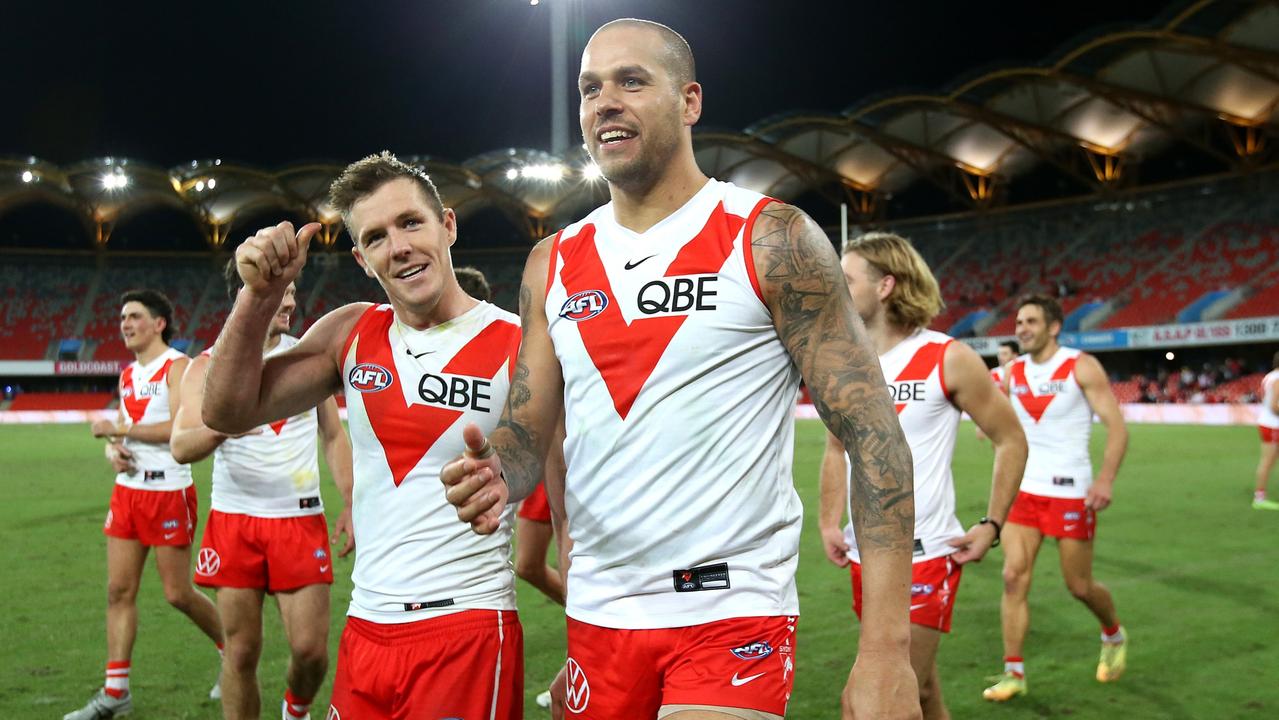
x: 524, y: 433
x: 813, y: 313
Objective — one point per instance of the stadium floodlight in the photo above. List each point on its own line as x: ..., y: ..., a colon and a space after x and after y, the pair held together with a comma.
x: 550, y: 172
x: 1169, y: 355
x: 533, y: 2
x: 115, y: 181
x: 27, y: 176
x: 512, y: 174
x: 591, y: 171
x: 212, y: 183
x: 199, y: 186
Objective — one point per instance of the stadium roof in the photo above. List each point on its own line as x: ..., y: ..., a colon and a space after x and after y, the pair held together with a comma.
x: 1204, y: 78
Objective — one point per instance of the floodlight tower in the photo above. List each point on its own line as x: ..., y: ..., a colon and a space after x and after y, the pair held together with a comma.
x: 559, y: 77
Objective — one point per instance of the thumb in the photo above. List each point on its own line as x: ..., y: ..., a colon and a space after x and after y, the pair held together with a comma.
x: 476, y: 444
x: 307, y: 232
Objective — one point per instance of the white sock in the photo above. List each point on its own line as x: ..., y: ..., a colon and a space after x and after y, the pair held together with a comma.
x: 1259, y: 496
x: 1018, y: 667
x: 1116, y: 638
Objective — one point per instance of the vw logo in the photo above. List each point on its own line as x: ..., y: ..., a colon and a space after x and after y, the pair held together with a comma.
x: 208, y: 562
x: 578, y: 693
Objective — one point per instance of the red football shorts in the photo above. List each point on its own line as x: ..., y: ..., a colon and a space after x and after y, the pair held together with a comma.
x: 535, y: 507
x: 152, y: 517
x: 933, y: 586
x: 746, y: 663
x: 469, y: 664
x: 1268, y: 435
x: 1054, y: 517
x: 271, y: 554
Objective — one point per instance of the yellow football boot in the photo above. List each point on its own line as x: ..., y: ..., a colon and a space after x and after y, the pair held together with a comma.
x: 1007, y: 687
x: 1114, y: 658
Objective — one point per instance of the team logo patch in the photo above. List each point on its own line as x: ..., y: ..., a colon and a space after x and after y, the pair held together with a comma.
x: 584, y: 305
x: 921, y: 589
x: 1072, y: 515
x: 169, y: 525
x: 578, y: 693
x: 208, y: 562
x: 320, y: 554
x: 369, y: 378
x: 757, y: 650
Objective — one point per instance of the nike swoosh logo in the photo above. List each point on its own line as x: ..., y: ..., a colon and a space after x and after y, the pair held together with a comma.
x: 1068, y: 528
x: 913, y: 608
x: 169, y: 536
x: 323, y: 568
x: 738, y: 682
x: 417, y: 356
x: 632, y: 265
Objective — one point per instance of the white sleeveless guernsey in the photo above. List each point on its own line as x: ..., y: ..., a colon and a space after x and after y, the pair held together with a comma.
x: 916, y: 378
x: 274, y: 473
x: 1058, y: 422
x: 679, y: 397
x: 1269, y: 388
x: 998, y: 373
x: 144, y: 395
x: 408, y: 395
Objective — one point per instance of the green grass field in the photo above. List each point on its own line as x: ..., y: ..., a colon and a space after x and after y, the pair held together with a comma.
x: 1194, y: 570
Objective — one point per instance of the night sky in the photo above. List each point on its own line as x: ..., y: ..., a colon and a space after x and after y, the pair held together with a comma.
x: 278, y: 81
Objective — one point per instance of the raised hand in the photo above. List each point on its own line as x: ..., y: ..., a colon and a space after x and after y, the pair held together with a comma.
x: 273, y: 257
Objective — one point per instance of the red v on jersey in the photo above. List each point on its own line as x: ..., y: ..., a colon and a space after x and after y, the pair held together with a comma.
x: 407, y: 431
x: 135, y: 406
x: 1036, y: 405
x: 921, y: 366
x: 278, y: 426
x: 625, y: 354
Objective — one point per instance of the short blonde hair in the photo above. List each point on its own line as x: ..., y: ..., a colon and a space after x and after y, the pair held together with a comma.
x: 915, y: 299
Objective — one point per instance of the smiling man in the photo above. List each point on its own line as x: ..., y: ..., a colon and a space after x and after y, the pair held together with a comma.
x: 1055, y: 391
x: 432, y: 629
x: 153, y: 504
x: 672, y: 327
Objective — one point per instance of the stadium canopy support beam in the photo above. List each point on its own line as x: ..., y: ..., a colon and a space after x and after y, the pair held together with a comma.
x: 329, y: 231
x: 1248, y: 139
x: 1107, y: 166
x: 980, y: 186
x: 102, y: 232
x: 217, y: 232
x: 864, y: 202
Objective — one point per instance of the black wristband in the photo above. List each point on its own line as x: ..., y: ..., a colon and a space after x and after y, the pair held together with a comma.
x: 998, y: 528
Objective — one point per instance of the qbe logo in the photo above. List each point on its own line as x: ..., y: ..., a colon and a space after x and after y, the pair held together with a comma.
x: 678, y: 295
x: 578, y: 691
x: 369, y: 378
x: 207, y: 562
x: 584, y: 305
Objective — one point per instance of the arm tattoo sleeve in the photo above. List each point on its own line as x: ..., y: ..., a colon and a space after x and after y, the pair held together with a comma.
x: 815, y: 318
x: 516, y: 442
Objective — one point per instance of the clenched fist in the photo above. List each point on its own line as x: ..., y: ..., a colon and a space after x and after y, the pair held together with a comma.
x: 273, y: 257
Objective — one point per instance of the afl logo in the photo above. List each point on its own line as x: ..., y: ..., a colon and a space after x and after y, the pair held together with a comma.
x: 584, y: 305
x: 369, y: 378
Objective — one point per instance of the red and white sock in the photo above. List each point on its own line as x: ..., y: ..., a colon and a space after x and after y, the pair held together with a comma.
x: 1015, y: 666
x: 1259, y: 496
x: 1112, y: 634
x: 117, y: 685
x: 294, y: 706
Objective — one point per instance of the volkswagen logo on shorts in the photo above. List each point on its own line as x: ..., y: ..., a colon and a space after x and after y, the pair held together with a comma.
x: 369, y: 377
x: 584, y: 305
x: 207, y: 562
x: 578, y: 692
